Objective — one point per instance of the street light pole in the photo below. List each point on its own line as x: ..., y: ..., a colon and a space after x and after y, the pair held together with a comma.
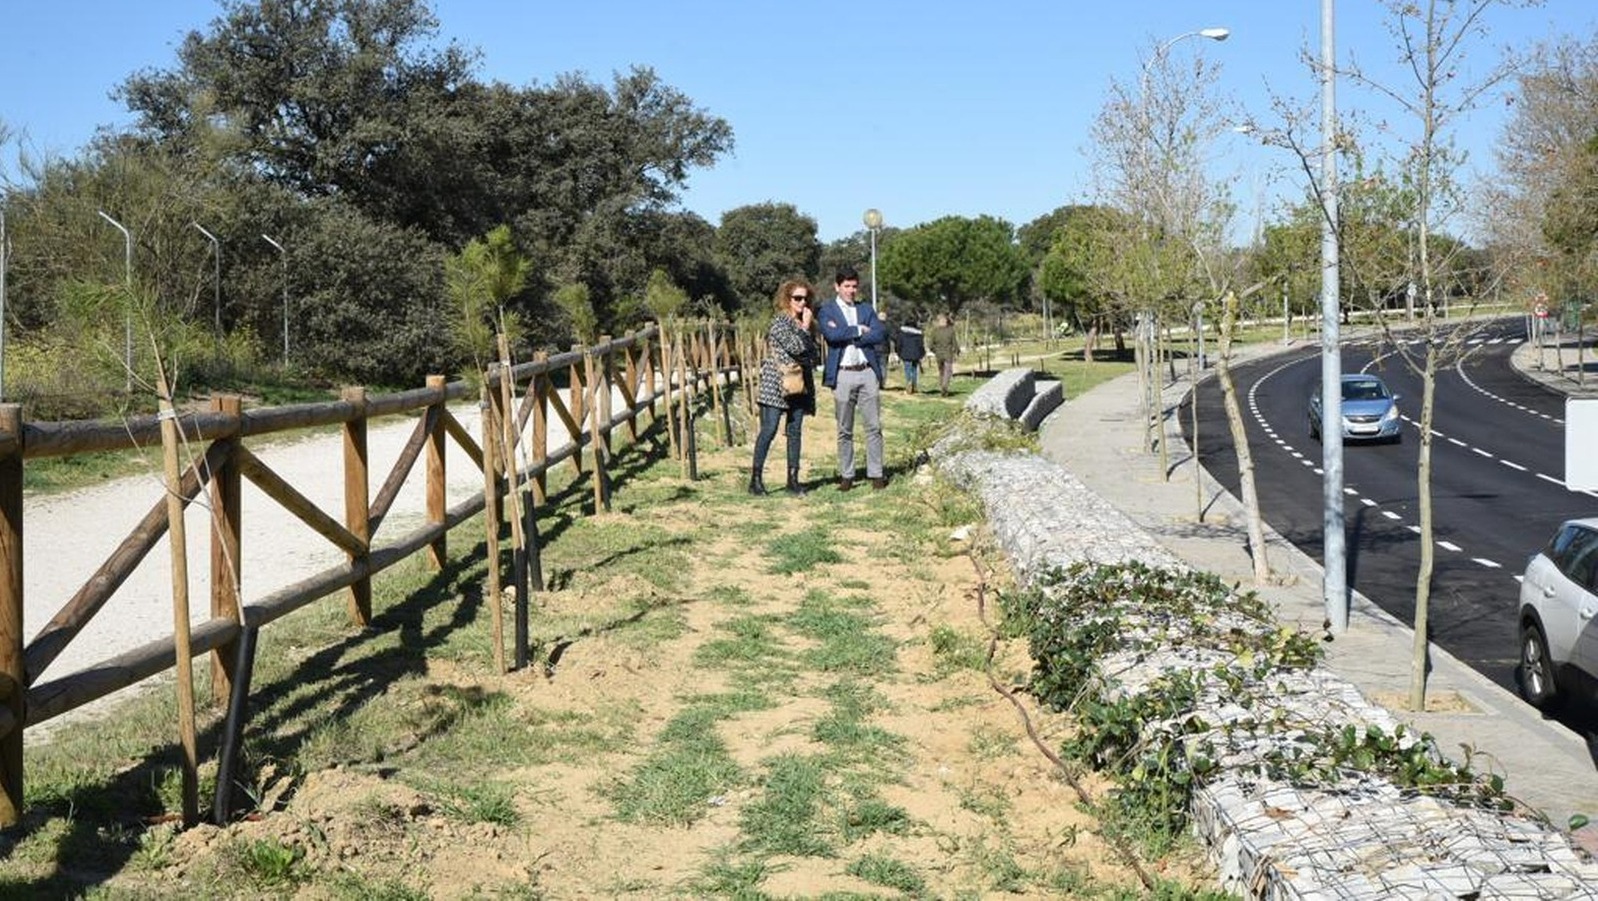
x: 1334, y: 580
x: 873, y: 221
x: 217, y: 253
x: 1148, y: 331
x: 285, y: 255
x: 5, y: 259
x: 127, y: 266
x: 1287, y: 337
x: 1214, y: 34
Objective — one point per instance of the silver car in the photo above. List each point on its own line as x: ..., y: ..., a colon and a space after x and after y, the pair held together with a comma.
x: 1558, y: 605
x: 1370, y: 411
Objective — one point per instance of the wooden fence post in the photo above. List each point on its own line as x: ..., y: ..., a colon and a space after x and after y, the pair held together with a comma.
x: 491, y: 518
x: 227, y: 569
x: 13, y: 677
x: 667, y: 368
x: 510, y: 435
x: 182, y: 622
x: 357, y: 501
x: 596, y: 428
x: 540, y: 387
x: 713, y: 381
x: 630, y: 373
x: 747, y: 381
x: 646, y: 379
x: 577, y: 393
x: 604, y: 377
x: 437, y: 497
x: 753, y: 365
x: 722, y: 377
x: 685, y: 411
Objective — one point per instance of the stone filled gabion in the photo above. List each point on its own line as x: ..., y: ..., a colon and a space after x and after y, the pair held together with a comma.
x: 1006, y: 396
x: 1050, y: 521
x: 1362, y: 837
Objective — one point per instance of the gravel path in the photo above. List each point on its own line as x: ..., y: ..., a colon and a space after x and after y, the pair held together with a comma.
x: 67, y: 536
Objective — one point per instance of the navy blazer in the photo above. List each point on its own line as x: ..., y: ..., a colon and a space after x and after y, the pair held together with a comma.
x: 839, y: 334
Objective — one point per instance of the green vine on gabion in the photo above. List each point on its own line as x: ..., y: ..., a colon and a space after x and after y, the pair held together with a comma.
x: 1329, y: 758
x: 1152, y: 742
x: 1158, y: 750
x: 1073, y: 619
x: 1111, y: 732
x: 1139, y: 741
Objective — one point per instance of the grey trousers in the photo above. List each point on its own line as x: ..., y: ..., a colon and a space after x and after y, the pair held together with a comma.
x: 857, y: 390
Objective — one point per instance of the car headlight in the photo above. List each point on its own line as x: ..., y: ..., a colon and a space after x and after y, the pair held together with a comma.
x: 1390, y: 415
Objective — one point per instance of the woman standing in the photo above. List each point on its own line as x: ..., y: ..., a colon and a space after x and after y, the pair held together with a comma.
x: 943, y: 344
x: 788, y: 341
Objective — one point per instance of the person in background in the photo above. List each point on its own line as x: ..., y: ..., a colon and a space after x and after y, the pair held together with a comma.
x: 911, y: 348
x: 788, y: 340
x: 945, y: 346
x: 854, y: 373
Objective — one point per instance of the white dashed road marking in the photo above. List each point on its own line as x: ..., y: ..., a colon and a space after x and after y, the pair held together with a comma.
x: 1351, y: 491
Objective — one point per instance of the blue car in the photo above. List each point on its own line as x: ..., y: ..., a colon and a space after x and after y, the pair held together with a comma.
x: 1370, y: 411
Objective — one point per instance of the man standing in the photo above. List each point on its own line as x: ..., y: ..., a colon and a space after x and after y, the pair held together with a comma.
x: 854, y: 373
x: 943, y: 344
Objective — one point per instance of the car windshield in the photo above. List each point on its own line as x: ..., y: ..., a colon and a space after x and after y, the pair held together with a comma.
x: 1363, y: 389
x: 1570, y: 543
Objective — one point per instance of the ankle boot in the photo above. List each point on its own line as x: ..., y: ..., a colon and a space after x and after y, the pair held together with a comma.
x: 794, y: 488
x: 757, y: 482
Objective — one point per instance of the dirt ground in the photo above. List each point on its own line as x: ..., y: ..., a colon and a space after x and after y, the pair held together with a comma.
x: 989, y: 815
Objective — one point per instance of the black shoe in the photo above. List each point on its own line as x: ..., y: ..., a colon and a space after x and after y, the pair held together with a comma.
x: 879, y: 483
x: 845, y: 484
x: 757, y: 484
x: 794, y: 488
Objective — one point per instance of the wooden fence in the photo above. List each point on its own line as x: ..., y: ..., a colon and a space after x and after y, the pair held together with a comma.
x: 685, y: 371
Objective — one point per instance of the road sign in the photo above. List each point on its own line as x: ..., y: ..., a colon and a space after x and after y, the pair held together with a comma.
x: 1581, y: 431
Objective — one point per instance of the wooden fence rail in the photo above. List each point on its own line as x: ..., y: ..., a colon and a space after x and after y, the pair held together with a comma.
x: 643, y: 369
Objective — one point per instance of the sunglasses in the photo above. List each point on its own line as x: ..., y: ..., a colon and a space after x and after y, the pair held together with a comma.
x: 799, y: 297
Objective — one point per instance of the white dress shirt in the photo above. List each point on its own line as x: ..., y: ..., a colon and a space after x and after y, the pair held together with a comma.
x: 852, y: 354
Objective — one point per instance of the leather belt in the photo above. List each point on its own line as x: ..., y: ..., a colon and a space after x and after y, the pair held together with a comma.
x: 856, y: 368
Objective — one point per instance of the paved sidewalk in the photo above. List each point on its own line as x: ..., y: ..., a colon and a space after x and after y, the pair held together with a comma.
x: 1098, y: 437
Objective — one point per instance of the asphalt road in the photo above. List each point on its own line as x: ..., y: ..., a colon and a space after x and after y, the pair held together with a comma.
x: 1497, y: 492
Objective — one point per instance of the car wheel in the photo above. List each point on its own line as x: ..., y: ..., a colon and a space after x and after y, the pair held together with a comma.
x: 1536, y: 669
x: 1314, y: 430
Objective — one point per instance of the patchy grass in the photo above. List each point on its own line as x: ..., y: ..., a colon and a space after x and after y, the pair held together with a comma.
x: 802, y: 553
x: 690, y: 767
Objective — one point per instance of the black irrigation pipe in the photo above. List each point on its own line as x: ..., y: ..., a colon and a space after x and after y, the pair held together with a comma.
x: 232, y: 733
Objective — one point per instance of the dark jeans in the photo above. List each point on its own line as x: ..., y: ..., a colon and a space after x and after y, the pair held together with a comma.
x: 768, y: 431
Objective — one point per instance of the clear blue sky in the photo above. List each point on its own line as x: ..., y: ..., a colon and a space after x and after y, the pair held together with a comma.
x: 920, y: 110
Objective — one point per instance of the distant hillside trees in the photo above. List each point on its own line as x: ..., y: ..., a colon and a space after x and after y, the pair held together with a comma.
x: 371, y: 154
x: 945, y: 264
x: 760, y: 245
